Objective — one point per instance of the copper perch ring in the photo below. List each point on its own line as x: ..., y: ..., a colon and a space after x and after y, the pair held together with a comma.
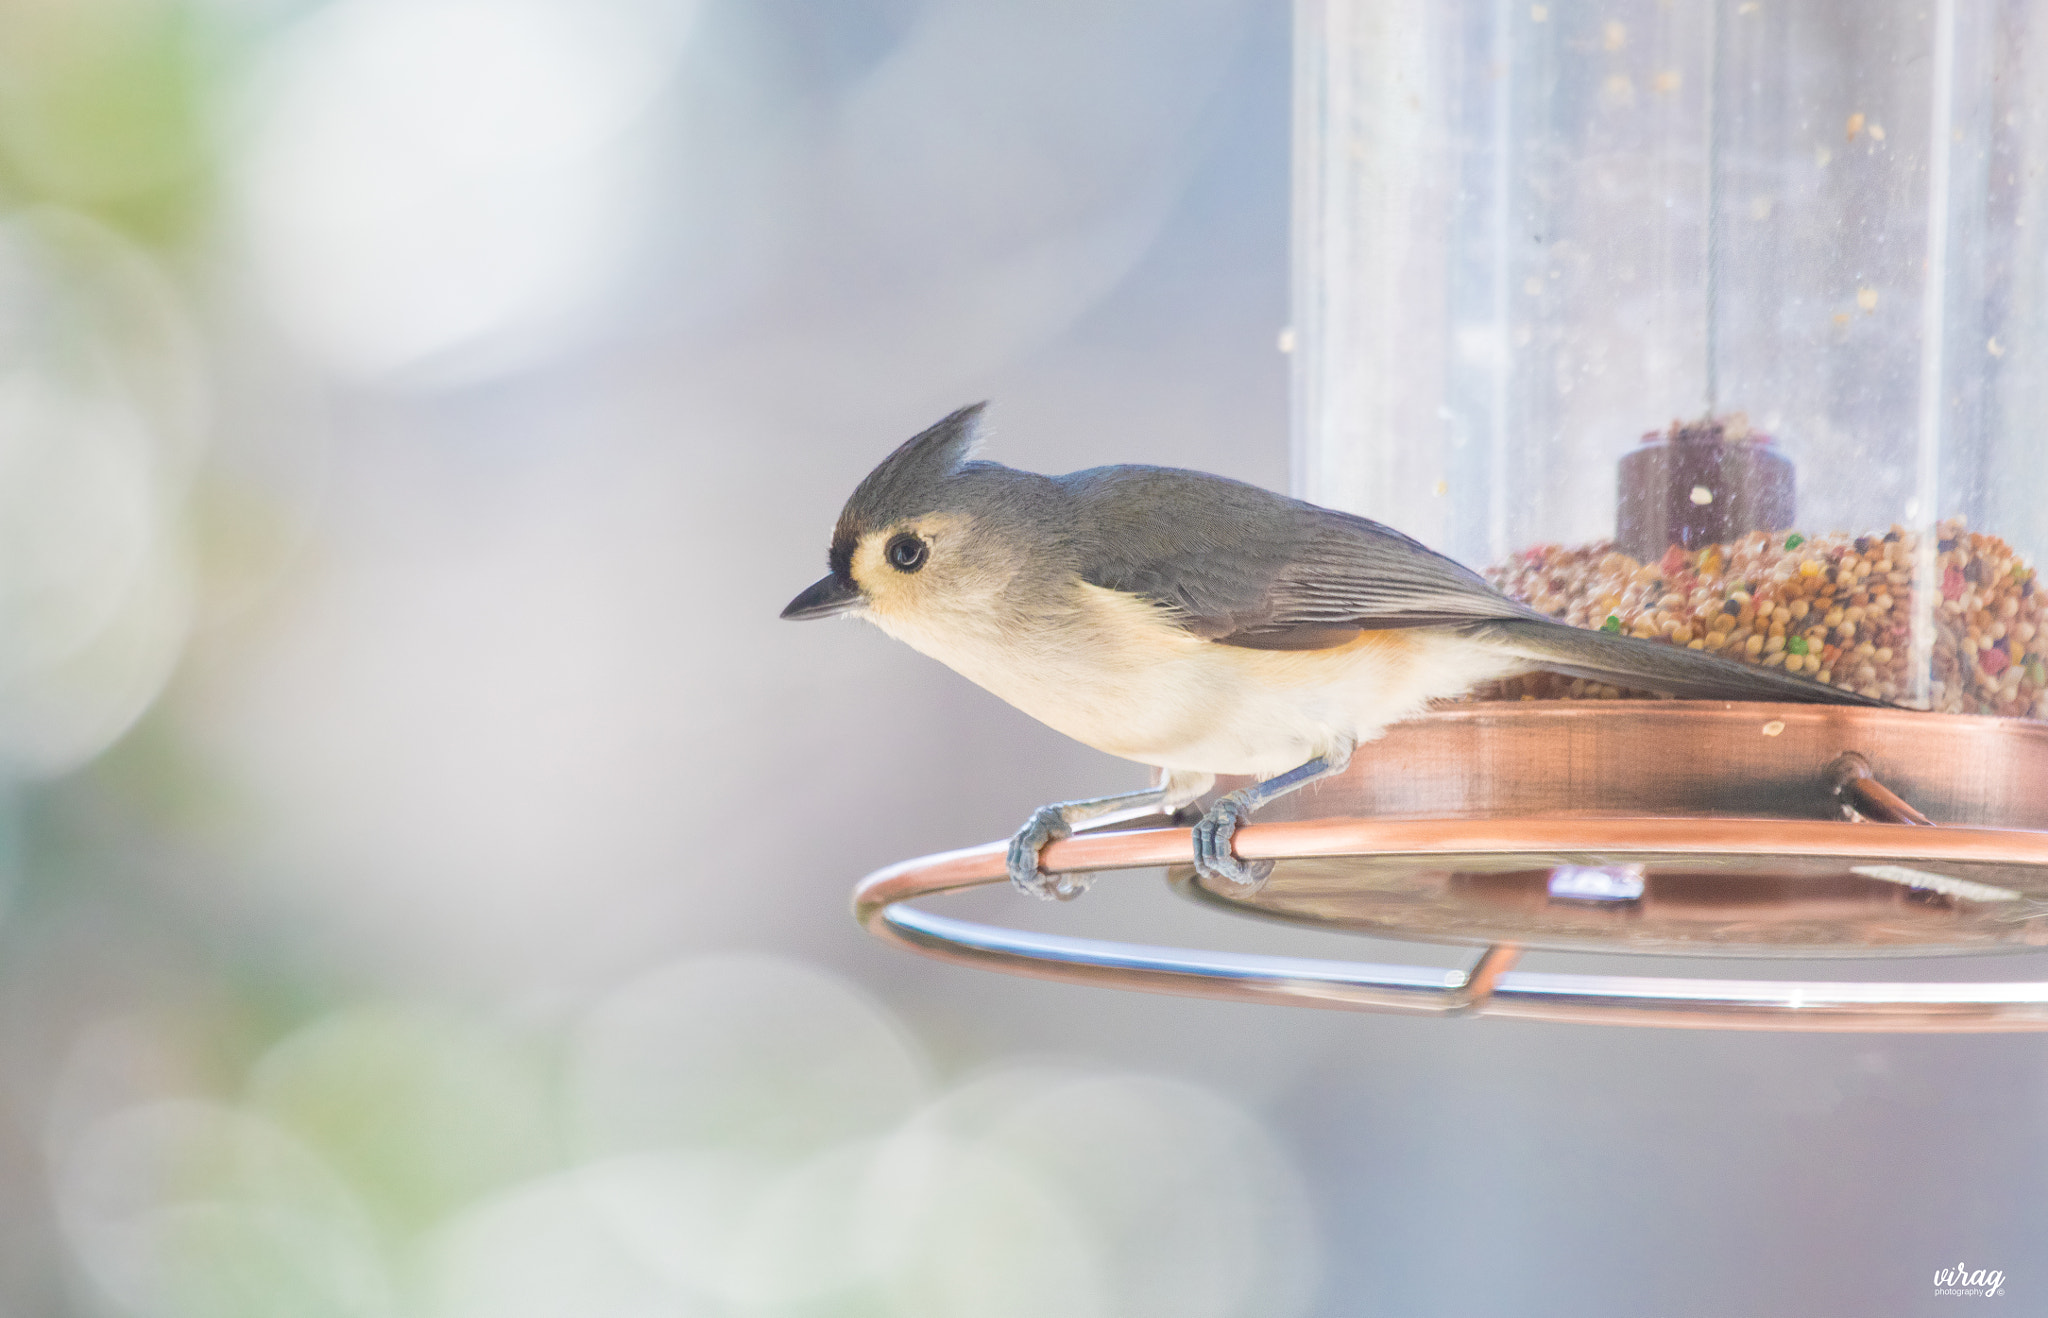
x: 1491, y: 987
x: 1710, y: 829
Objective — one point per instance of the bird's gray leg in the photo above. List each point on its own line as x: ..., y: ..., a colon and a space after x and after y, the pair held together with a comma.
x: 1049, y: 823
x: 1213, y: 857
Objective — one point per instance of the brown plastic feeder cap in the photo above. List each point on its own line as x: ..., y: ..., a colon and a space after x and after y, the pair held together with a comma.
x: 1705, y: 483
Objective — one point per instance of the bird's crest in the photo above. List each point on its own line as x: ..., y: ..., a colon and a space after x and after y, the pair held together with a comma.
x: 908, y: 480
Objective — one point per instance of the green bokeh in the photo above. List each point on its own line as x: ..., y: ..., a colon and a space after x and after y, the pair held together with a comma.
x: 104, y: 109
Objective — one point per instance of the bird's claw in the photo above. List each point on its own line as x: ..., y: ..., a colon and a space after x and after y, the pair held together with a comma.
x: 1215, y: 861
x: 1047, y: 824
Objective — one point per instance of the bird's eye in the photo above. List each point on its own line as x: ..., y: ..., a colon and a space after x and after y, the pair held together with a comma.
x: 906, y: 553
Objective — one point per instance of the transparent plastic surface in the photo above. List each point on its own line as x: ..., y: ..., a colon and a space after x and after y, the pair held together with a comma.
x: 1805, y: 245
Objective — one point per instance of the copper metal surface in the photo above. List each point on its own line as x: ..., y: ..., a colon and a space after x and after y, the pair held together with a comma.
x: 882, y: 903
x: 1756, y: 892
x: 1507, y: 791
x: 1672, y: 757
x: 1869, y: 797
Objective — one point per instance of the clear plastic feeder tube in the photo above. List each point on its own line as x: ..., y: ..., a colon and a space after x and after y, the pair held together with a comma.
x: 1804, y: 246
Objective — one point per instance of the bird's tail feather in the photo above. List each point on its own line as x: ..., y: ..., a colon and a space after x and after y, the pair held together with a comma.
x: 1650, y: 665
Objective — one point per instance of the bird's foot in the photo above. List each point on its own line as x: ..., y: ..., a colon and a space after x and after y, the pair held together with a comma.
x: 1214, y: 860
x: 1047, y: 824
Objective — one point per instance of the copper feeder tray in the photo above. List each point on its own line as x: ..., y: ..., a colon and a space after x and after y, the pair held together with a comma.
x: 1743, y: 830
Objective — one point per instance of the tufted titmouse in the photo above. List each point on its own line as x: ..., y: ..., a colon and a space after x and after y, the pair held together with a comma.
x: 1199, y: 625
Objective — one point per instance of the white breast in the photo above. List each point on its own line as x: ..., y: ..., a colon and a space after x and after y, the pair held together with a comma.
x: 1117, y: 675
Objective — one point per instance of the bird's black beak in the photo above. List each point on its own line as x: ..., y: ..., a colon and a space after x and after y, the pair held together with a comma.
x: 826, y: 597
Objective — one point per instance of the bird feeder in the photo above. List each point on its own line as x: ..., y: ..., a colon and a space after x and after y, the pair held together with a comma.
x: 1723, y: 324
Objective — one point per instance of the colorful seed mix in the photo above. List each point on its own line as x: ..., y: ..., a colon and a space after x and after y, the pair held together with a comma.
x: 1831, y: 608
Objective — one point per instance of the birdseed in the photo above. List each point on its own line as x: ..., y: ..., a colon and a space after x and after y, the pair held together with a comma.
x: 1831, y: 608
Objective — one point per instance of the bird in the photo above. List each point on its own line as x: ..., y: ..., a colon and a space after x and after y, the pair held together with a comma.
x: 1199, y: 625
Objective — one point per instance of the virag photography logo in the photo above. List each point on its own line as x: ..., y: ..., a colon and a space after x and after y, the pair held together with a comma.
x: 1960, y: 1280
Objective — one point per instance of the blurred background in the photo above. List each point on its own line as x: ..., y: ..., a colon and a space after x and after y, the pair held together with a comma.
x: 426, y: 856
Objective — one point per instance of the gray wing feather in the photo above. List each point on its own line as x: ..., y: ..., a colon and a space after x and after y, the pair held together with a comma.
x: 1245, y: 566
x: 1357, y: 571
x: 1651, y: 665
